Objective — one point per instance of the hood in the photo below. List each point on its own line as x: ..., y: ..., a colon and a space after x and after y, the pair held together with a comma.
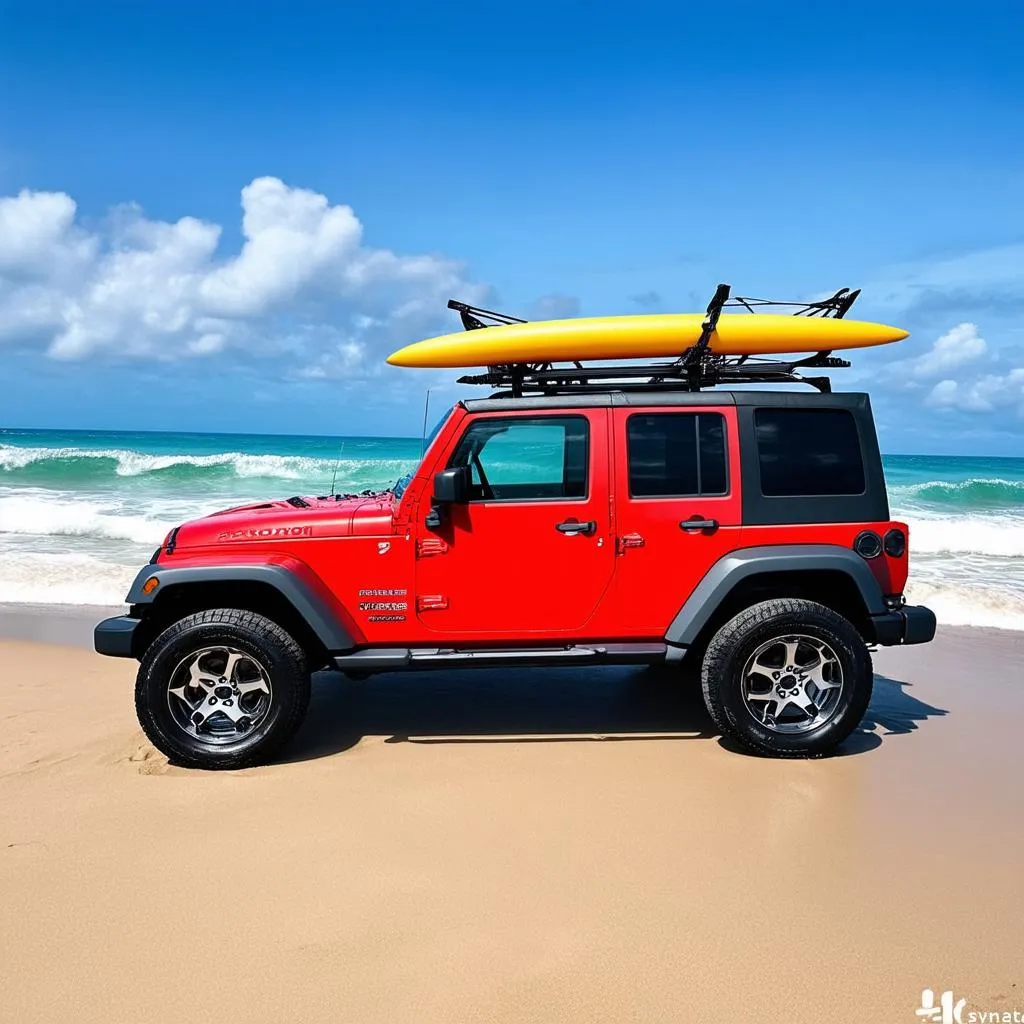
x: 267, y: 523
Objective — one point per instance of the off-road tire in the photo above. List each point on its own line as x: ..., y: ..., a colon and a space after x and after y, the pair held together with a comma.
x: 256, y: 636
x: 737, y: 640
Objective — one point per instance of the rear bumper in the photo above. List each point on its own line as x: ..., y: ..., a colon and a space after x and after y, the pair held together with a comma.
x: 113, y: 637
x: 912, y: 624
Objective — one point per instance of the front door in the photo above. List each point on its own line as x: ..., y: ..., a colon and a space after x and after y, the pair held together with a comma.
x: 531, y: 554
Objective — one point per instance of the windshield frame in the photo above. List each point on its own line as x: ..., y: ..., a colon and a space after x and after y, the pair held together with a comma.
x: 402, y: 483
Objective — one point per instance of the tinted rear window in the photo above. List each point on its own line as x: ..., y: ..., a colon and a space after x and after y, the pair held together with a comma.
x: 808, y: 452
x: 676, y: 454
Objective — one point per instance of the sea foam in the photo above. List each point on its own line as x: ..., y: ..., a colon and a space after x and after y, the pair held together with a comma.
x: 34, y: 578
x: 1001, y: 535
x: 55, y: 515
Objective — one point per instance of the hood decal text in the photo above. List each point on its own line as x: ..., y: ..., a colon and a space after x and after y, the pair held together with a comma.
x: 264, y: 532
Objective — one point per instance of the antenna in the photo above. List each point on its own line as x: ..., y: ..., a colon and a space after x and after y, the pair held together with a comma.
x: 423, y: 435
x: 334, y: 478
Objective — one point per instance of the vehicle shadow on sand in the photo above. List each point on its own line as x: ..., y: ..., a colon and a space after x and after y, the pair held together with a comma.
x: 892, y: 712
x: 544, y: 706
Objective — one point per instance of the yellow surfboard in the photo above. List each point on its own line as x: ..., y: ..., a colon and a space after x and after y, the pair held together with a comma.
x: 636, y: 337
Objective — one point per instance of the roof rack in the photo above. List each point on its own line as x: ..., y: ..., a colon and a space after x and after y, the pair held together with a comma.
x: 473, y: 317
x: 697, y: 367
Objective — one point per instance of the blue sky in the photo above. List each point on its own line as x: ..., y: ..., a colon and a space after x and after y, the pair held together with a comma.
x: 548, y: 158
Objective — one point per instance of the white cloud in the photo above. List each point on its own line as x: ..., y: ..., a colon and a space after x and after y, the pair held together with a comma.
x: 303, y: 283
x: 292, y: 237
x: 956, y: 347
x: 38, y: 236
x: 987, y: 277
x: 986, y: 394
x: 343, y: 358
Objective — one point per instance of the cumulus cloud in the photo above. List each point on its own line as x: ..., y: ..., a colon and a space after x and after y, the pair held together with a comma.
x: 38, y: 238
x: 303, y: 283
x: 986, y: 394
x: 956, y: 347
x: 292, y: 237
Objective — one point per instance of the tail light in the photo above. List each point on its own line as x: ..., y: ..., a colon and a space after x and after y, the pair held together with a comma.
x: 895, y: 543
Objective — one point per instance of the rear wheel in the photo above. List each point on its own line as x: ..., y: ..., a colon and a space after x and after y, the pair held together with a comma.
x: 787, y: 677
x: 223, y: 688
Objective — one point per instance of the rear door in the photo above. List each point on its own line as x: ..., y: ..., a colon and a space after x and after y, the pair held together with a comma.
x: 532, y: 553
x: 677, y: 508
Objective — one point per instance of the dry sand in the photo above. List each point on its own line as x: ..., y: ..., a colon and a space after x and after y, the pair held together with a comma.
x: 543, y: 846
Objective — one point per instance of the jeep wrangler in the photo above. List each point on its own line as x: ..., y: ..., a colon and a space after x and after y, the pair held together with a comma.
x: 742, y: 533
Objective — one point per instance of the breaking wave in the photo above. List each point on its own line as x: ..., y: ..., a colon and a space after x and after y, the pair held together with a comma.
x: 54, y: 516
x: 67, y: 467
x: 966, y: 535
x: 980, y: 493
x: 70, y: 466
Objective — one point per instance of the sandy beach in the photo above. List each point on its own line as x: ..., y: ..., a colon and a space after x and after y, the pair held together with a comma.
x: 543, y: 846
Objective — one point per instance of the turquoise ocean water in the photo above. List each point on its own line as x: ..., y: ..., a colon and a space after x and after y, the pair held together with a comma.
x: 81, y: 510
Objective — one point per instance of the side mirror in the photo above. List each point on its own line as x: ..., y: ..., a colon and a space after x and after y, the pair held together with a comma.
x: 451, y: 486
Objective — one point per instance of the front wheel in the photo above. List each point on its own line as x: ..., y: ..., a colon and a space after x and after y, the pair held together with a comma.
x: 788, y: 678
x: 223, y: 688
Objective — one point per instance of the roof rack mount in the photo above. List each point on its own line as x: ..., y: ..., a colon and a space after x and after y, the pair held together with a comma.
x: 696, y: 367
x: 551, y: 379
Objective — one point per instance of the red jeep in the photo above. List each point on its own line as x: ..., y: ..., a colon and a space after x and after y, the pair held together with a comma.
x: 571, y: 518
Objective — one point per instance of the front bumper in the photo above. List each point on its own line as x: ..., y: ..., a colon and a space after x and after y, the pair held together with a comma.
x: 114, y: 636
x: 911, y: 624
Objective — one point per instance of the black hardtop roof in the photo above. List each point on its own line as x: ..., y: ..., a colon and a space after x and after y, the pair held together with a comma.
x: 500, y: 402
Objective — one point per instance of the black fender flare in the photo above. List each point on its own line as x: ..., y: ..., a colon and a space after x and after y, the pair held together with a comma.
x: 306, y: 602
x: 737, y: 566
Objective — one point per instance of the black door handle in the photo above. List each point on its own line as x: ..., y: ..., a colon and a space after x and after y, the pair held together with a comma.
x: 573, y: 526
x: 695, y: 523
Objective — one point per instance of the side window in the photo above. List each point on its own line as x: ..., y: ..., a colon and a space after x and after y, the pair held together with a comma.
x: 676, y: 454
x: 804, y: 452
x: 525, y: 458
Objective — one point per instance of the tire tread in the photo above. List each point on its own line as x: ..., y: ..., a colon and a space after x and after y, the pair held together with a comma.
x: 265, y: 631
x: 716, y: 667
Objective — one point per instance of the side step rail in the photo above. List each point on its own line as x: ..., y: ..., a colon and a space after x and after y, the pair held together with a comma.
x: 396, y: 659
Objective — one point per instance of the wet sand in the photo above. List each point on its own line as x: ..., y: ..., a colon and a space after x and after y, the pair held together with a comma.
x: 535, y: 846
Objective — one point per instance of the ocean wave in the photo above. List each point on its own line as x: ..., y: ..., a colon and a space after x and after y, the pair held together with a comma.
x: 966, y: 535
x: 72, y: 466
x: 974, y: 493
x: 66, y: 466
x: 34, y: 578
x: 57, y: 516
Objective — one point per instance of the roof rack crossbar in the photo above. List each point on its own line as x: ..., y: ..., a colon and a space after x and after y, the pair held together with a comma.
x: 549, y: 379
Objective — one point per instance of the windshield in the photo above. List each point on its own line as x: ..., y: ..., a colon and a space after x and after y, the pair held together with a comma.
x: 403, y: 481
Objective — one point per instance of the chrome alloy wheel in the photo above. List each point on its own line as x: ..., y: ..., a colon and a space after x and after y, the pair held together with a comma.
x: 219, y: 694
x: 792, y: 684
